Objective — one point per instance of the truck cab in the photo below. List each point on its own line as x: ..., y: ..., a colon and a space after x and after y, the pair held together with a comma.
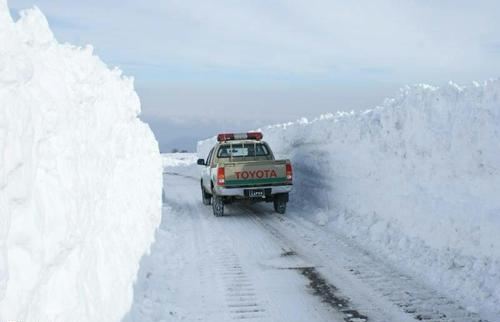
x: 243, y: 167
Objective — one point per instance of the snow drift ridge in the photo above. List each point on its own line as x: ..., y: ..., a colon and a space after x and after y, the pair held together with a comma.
x: 80, y: 179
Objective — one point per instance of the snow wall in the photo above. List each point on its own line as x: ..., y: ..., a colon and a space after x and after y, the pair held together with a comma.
x: 80, y: 179
x: 416, y: 180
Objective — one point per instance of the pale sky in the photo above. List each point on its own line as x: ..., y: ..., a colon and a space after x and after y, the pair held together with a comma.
x: 205, y: 66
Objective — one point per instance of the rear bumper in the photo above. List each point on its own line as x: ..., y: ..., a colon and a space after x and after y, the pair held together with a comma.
x: 240, y: 192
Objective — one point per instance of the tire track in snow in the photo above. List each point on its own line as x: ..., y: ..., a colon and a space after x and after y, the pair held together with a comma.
x: 241, y: 296
x: 413, y: 298
x: 237, y: 231
x: 242, y: 299
x: 317, y: 283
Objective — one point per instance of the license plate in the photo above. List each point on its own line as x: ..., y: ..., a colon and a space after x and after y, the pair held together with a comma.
x: 255, y: 193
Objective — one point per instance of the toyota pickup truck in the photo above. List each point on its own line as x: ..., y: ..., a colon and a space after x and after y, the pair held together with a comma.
x: 242, y: 167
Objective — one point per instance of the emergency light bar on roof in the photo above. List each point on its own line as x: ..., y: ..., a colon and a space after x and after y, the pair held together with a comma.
x: 240, y: 136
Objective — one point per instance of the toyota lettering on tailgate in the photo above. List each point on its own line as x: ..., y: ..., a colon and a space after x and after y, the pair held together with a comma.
x: 259, y: 174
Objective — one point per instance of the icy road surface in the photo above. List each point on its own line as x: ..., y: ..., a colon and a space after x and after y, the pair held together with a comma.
x: 255, y: 265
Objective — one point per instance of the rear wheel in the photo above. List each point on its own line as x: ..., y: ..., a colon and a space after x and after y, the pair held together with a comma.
x: 206, y: 198
x: 218, y: 206
x: 280, y: 202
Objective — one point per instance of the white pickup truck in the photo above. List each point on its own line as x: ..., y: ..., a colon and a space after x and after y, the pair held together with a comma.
x: 242, y: 167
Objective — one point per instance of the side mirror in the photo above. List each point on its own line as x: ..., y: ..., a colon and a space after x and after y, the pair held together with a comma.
x: 201, y: 162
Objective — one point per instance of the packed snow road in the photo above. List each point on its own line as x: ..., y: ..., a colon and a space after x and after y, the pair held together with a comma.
x: 255, y: 265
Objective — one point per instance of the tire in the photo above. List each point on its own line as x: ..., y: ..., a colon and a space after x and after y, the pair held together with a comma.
x: 280, y: 205
x: 206, y: 198
x: 218, y: 206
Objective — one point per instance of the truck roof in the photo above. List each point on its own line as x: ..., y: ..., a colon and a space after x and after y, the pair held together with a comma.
x: 241, y: 142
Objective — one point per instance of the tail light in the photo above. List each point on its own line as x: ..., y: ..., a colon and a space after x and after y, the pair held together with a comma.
x: 221, y: 176
x: 289, y: 172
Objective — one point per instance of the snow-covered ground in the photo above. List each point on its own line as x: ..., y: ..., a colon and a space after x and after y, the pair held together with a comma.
x: 80, y: 179
x: 205, y: 269
x: 255, y: 265
x: 395, y: 213
x: 414, y: 181
x: 172, y: 160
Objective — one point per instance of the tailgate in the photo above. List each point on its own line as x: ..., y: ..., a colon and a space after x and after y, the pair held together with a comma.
x: 255, y: 173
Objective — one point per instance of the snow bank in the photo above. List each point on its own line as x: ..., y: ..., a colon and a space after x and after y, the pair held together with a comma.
x: 178, y: 159
x: 417, y: 180
x: 80, y: 179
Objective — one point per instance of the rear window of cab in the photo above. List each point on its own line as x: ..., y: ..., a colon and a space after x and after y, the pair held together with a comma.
x: 243, y: 150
